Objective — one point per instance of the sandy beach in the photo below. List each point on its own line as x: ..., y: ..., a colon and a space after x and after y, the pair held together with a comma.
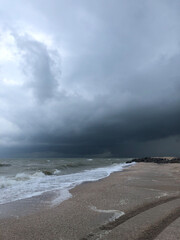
x: 141, y: 202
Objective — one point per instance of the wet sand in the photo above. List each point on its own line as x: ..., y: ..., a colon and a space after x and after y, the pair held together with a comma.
x: 142, y: 203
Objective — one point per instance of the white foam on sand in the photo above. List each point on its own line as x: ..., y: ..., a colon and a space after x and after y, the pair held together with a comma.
x: 162, y: 195
x: 116, y: 213
x: 62, y: 195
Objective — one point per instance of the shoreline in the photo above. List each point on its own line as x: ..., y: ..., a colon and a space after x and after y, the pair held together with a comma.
x: 109, y: 207
x: 24, y: 185
x: 46, y: 200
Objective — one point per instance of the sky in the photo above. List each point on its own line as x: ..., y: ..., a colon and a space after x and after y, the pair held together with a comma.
x: 89, y: 78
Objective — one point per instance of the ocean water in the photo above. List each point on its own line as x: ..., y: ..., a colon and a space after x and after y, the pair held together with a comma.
x: 26, y: 178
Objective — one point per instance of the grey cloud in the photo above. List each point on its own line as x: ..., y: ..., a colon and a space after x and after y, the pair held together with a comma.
x: 115, y: 87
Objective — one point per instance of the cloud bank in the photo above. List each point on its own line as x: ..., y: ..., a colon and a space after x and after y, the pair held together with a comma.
x: 89, y: 78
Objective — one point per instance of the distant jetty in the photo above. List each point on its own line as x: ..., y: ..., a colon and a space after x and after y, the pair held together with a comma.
x: 158, y: 160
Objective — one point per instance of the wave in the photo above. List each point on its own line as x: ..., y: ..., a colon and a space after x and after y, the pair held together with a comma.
x: 72, y: 165
x: 21, y: 177
x: 6, y: 182
x: 5, y: 165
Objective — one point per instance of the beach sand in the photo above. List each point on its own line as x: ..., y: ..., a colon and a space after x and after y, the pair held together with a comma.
x: 142, y: 202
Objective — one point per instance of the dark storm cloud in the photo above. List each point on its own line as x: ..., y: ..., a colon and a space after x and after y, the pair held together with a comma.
x: 109, y: 83
x: 39, y: 66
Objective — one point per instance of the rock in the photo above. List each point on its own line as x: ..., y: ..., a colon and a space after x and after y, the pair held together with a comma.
x: 47, y: 172
x: 158, y: 160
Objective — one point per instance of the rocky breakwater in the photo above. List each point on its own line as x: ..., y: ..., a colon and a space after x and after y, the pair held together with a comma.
x: 158, y: 160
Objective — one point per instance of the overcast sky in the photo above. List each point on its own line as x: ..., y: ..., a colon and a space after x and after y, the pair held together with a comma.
x: 89, y: 77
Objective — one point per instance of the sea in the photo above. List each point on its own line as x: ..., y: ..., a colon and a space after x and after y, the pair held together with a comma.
x: 23, y: 178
